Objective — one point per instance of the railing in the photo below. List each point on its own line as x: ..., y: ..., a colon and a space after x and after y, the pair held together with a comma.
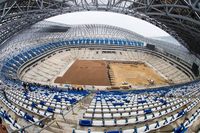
x: 64, y: 114
x: 73, y: 107
x: 24, y: 128
x: 48, y: 125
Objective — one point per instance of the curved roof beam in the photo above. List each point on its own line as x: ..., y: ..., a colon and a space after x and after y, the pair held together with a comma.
x: 182, y: 14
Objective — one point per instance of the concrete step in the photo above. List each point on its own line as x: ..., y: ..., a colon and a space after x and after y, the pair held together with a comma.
x: 68, y: 122
x: 46, y: 131
x: 57, y: 125
x: 54, y: 129
x: 64, y: 125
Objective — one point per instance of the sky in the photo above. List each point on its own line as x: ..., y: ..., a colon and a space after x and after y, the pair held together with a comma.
x: 115, y: 19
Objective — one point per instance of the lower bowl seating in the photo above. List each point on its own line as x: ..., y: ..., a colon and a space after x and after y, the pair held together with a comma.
x: 36, y: 104
x: 145, y: 111
x: 173, y: 108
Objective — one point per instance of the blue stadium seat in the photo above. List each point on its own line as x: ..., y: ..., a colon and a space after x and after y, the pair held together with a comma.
x: 85, y: 123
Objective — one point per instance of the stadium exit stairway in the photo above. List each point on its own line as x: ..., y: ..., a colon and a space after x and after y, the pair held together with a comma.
x: 66, y: 124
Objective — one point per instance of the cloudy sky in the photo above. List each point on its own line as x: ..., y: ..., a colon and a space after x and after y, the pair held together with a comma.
x: 139, y: 26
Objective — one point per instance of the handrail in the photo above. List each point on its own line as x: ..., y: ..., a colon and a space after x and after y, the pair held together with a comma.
x: 62, y: 114
x: 23, y: 128
x: 48, y: 125
x: 72, y: 107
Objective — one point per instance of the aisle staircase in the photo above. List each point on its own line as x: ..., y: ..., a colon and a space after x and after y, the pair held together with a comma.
x: 67, y: 123
x: 111, y: 76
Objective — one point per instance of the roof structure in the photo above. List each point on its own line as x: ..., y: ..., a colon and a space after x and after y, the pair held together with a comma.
x: 179, y: 18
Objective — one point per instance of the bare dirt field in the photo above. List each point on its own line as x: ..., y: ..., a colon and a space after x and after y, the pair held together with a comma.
x: 107, y: 73
x: 138, y: 74
x: 86, y: 72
